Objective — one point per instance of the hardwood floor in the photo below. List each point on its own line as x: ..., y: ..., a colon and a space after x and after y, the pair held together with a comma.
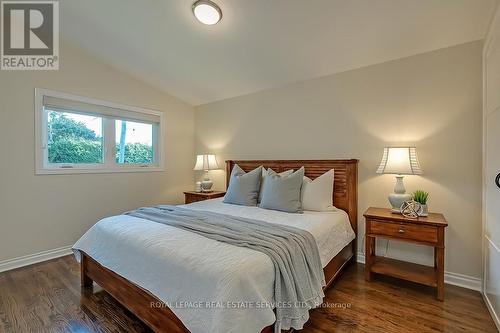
x: 46, y: 297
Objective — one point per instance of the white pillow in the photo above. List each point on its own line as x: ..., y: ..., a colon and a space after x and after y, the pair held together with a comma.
x: 317, y: 194
x: 267, y: 172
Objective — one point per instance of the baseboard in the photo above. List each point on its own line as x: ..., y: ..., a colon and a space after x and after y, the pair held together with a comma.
x: 465, y: 281
x: 492, y: 312
x: 30, y: 259
x: 456, y: 279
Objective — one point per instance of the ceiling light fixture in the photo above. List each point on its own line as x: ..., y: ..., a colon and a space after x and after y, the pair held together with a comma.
x: 207, y: 12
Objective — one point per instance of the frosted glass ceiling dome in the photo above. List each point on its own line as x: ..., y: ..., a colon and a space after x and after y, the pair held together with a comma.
x: 207, y: 12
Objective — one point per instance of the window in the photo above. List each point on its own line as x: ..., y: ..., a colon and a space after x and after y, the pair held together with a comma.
x: 74, y: 138
x: 134, y: 142
x: 81, y: 135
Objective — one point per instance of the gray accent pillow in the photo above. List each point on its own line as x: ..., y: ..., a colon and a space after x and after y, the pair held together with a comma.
x: 243, y: 187
x: 267, y: 172
x: 283, y: 192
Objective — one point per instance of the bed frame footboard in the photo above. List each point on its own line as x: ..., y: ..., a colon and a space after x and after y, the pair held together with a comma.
x: 137, y: 300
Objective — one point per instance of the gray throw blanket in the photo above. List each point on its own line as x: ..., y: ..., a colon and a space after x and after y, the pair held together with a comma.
x: 299, y: 276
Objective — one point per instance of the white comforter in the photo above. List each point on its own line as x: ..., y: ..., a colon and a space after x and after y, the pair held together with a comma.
x: 209, y: 285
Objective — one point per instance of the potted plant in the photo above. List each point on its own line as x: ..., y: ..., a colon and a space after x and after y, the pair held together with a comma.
x: 421, y: 197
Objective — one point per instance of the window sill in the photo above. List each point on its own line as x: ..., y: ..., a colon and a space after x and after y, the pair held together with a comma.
x: 62, y: 171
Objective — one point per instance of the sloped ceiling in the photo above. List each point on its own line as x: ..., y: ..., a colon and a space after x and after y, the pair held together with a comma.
x: 261, y: 44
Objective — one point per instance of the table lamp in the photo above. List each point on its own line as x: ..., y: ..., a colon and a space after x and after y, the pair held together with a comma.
x: 399, y: 161
x: 206, y: 163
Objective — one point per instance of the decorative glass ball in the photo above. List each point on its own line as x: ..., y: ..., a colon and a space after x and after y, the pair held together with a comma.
x: 410, y: 209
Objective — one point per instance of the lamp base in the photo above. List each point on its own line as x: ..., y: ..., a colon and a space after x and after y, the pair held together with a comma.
x: 206, y: 185
x: 397, y: 200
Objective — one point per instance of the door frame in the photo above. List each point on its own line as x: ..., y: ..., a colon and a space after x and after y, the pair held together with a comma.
x: 485, y: 241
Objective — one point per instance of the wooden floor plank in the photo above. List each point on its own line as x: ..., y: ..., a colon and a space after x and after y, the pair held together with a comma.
x: 46, y: 297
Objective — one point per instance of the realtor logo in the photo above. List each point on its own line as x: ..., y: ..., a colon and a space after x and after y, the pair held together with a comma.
x: 30, y: 35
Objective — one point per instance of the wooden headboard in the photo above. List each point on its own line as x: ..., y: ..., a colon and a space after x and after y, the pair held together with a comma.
x: 345, y: 187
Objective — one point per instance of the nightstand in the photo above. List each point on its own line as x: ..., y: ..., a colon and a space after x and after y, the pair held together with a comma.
x: 380, y: 222
x: 192, y: 196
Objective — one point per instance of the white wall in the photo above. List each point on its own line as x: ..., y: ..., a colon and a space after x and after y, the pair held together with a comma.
x: 44, y: 212
x: 432, y: 101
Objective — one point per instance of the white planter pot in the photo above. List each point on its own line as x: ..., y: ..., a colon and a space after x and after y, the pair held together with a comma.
x: 423, y: 211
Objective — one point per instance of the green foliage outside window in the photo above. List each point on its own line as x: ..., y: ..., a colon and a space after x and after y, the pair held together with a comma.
x: 75, y: 150
x: 136, y: 153
x: 63, y: 127
x: 70, y: 141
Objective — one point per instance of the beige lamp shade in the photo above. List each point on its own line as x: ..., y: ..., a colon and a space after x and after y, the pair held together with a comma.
x: 400, y: 161
x: 206, y: 162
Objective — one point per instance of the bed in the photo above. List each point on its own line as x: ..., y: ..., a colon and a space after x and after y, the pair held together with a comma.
x: 167, y: 282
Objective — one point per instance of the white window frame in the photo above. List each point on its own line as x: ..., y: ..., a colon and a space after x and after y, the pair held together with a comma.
x: 109, y: 165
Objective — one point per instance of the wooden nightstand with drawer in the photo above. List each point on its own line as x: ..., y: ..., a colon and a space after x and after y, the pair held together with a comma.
x: 192, y: 196
x: 430, y: 230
